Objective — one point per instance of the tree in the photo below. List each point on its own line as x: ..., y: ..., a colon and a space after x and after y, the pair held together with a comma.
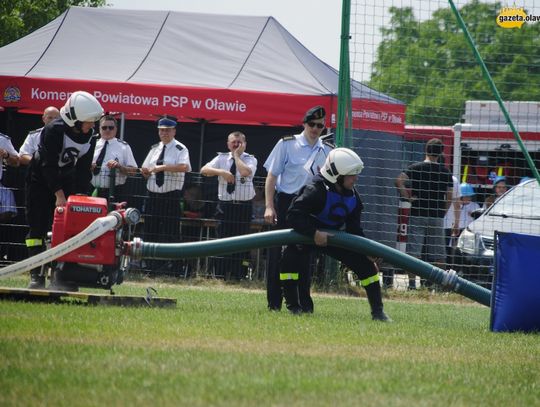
x: 430, y: 66
x: 20, y: 17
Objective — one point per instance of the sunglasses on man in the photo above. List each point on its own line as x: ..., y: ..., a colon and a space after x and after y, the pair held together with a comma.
x: 107, y: 127
x: 313, y: 124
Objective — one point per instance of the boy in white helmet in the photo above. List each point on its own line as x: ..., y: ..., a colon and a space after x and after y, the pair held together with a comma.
x: 60, y: 167
x: 331, y: 202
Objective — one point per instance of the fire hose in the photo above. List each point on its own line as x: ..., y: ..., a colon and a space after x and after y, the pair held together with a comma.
x: 147, y: 250
x: 97, y: 228
x: 448, y: 279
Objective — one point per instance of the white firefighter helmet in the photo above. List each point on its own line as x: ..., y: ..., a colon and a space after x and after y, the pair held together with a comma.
x: 81, y: 107
x: 341, y: 161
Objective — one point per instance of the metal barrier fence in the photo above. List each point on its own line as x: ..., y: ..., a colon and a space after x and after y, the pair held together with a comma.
x: 192, y: 214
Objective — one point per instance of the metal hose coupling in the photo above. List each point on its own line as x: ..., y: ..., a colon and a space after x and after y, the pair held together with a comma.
x: 134, y: 248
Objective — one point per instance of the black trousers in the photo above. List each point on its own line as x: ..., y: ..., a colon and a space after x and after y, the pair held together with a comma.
x: 162, y: 214
x: 235, y: 219
x: 40, y: 205
x: 119, y: 195
x: 162, y: 217
x: 297, y: 291
x: 274, y: 286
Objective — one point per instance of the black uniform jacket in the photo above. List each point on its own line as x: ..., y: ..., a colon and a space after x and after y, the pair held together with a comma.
x: 304, y: 209
x: 63, y: 159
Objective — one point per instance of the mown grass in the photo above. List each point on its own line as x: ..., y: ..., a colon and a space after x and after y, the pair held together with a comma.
x: 221, y: 347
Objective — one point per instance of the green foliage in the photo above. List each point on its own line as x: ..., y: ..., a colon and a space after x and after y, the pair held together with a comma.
x: 221, y: 347
x: 430, y: 66
x: 20, y: 17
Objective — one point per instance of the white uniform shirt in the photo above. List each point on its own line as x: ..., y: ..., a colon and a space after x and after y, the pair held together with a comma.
x: 448, y: 220
x: 5, y: 143
x: 244, y: 190
x: 294, y: 162
x: 116, y: 150
x: 31, y: 142
x: 465, y: 216
x: 175, y: 153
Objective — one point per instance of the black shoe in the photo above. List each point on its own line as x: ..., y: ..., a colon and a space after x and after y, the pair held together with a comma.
x: 274, y: 308
x: 37, y: 283
x: 295, y: 310
x: 381, y: 316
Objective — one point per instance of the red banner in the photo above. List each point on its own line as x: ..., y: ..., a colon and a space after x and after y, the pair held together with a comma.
x: 143, y: 101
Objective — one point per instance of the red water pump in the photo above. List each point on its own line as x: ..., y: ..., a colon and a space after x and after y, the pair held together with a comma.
x: 101, y: 262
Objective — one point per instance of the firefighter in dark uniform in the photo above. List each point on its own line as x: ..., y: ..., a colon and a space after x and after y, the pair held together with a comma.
x: 292, y: 164
x: 59, y: 168
x: 331, y: 202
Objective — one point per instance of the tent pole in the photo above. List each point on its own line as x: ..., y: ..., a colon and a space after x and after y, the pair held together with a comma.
x: 203, y: 129
x: 122, y: 124
x: 344, y: 100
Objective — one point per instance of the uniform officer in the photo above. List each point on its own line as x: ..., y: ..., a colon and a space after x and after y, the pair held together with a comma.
x: 60, y: 167
x: 31, y: 141
x: 164, y: 169
x: 8, y: 155
x: 111, y: 153
x: 8, y: 207
x: 235, y: 171
x: 331, y: 202
x: 292, y: 163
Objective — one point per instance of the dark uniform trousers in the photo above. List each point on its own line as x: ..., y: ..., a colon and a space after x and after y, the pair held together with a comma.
x: 40, y: 206
x: 235, y: 217
x: 118, y: 195
x: 162, y: 212
x: 274, y: 286
x: 298, y: 295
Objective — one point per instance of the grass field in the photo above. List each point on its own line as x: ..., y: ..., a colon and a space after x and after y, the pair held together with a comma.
x: 221, y: 347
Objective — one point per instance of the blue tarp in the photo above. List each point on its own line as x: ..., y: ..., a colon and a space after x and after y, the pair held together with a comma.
x: 515, y: 303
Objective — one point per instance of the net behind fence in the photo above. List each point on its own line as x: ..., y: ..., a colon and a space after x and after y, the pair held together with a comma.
x: 415, y: 78
x: 415, y: 52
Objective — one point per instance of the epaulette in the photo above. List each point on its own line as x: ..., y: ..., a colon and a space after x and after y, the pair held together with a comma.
x: 328, y: 139
x: 155, y: 145
x: 179, y: 147
x: 122, y: 141
x: 222, y: 152
x: 288, y: 138
x: 35, y: 131
x: 329, y: 143
x: 5, y: 136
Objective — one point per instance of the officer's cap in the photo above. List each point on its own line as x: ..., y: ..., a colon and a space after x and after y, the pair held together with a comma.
x: 167, y: 122
x: 315, y: 113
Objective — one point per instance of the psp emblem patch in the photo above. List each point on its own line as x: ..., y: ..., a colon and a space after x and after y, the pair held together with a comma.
x: 12, y: 94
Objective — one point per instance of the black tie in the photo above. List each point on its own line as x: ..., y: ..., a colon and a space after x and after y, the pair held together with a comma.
x: 160, y: 176
x: 231, y: 187
x: 101, y: 156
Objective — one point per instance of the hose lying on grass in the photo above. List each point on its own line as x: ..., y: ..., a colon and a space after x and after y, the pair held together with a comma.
x: 448, y: 279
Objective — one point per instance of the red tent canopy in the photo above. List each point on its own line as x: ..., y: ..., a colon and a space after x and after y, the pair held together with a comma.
x: 220, y: 68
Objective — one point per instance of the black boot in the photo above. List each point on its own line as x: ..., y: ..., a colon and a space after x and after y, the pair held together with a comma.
x: 59, y: 281
x: 37, y: 279
x: 290, y: 292
x: 373, y: 292
x: 37, y: 275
